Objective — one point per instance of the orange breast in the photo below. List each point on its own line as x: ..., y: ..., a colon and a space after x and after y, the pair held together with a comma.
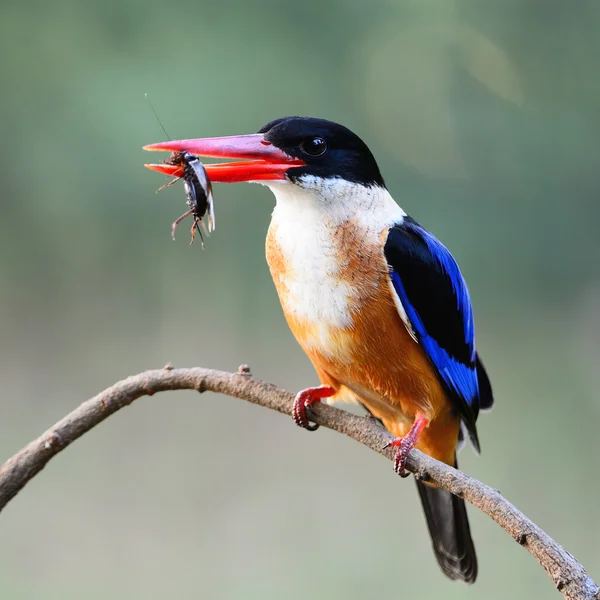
x: 366, y: 354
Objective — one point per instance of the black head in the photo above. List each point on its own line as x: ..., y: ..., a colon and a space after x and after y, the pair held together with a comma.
x: 329, y: 150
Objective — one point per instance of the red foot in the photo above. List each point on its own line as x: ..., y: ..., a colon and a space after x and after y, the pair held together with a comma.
x: 406, y: 444
x: 303, y: 402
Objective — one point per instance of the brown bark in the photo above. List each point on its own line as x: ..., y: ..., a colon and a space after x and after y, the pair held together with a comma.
x: 568, y: 575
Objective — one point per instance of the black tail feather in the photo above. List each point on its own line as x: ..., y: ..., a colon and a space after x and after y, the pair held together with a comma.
x: 450, y: 533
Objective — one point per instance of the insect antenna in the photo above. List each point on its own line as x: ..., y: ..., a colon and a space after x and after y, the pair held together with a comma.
x: 157, y: 117
x: 176, y: 179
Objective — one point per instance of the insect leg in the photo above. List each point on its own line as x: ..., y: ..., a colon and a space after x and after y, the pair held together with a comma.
x: 162, y: 187
x: 181, y: 218
x: 196, y: 228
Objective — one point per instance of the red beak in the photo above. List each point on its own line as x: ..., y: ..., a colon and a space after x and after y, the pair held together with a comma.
x: 267, y: 162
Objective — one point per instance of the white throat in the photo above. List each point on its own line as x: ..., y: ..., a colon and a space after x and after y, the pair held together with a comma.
x: 334, y: 201
x: 312, y: 224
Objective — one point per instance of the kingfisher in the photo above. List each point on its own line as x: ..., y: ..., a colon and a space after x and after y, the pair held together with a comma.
x: 377, y: 302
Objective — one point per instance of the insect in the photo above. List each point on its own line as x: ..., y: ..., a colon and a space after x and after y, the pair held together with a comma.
x: 198, y: 191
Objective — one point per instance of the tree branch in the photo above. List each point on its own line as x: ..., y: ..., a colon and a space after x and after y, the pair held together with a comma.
x: 568, y: 575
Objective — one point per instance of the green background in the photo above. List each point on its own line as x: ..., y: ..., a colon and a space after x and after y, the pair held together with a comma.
x: 484, y: 117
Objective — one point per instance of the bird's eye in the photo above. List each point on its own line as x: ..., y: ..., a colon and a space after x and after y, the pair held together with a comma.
x: 314, y: 146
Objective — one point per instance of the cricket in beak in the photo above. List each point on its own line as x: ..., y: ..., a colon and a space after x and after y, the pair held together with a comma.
x: 264, y: 161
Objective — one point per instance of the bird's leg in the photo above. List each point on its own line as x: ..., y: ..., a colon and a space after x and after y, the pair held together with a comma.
x: 305, y: 399
x: 407, y: 443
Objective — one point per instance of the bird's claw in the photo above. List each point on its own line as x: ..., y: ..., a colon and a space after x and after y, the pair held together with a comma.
x: 407, y: 443
x: 303, y: 403
x: 404, y: 445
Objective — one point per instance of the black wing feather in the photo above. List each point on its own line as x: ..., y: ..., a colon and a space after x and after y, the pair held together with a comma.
x: 435, y: 298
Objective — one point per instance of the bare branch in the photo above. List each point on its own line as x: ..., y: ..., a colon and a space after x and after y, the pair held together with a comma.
x: 568, y: 575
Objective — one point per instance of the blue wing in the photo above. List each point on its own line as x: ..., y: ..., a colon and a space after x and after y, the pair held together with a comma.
x: 436, y: 301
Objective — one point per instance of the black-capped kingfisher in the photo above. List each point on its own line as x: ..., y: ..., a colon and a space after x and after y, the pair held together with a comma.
x: 378, y: 304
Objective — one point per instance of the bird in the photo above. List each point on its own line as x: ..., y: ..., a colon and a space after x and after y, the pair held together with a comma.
x: 375, y: 300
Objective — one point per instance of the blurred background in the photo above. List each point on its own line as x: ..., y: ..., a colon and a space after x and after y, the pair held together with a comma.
x: 484, y: 118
